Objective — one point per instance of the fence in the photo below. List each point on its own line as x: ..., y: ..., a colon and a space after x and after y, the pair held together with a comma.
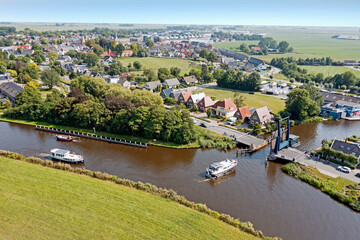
x: 91, y: 136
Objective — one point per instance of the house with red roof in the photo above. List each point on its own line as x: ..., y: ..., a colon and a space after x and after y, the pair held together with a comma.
x: 184, y: 97
x: 205, y: 103
x: 257, y: 49
x: 110, y: 53
x: 242, y: 113
x: 127, y: 53
x: 261, y: 116
x: 226, y: 108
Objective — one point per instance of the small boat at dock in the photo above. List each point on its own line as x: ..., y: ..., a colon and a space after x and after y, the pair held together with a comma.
x: 66, y: 156
x: 219, y: 169
x: 65, y: 138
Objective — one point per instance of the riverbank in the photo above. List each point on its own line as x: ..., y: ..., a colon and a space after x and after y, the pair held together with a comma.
x: 340, y: 189
x: 115, y: 207
x: 206, y: 138
x: 103, y: 134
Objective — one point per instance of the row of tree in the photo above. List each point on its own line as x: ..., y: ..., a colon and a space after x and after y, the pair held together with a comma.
x: 238, y: 80
x: 108, y: 107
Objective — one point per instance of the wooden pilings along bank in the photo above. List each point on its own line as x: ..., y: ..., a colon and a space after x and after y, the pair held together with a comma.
x: 91, y: 136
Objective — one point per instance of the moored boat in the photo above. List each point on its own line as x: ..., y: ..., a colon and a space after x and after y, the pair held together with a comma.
x: 66, y: 138
x: 66, y: 156
x: 219, y: 169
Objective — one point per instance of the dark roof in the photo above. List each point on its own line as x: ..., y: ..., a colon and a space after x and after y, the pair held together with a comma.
x: 168, y: 91
x: 335, y: 97
x: 255, y: 61
x: 346, y: 147
x: 10, y: 89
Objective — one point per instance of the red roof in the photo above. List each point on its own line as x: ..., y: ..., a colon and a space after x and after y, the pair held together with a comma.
x: 186, y: 95
x: 256, y: 48
x: 243, y: 111
x: 227, y: 104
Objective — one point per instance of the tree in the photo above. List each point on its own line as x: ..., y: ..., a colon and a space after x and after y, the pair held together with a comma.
x: 137, y: 65
x: 244, y: 48
x: 90, y: 43
x: 52, y: 56
x: 283, y: 46
x: 163, y: 73
x: 8, y: 104
x: 150, y: 43
x: 119, y: 48
x: 203, y: 53
x: 92, y: 59
x: 195, y: 72
x: 257, y: 129
x: 209, y: 112
x: 32, y: 70
x: 135, y: 48
x: 33, y: 84
x: 239, y: 100
x: 300, y: 106
x: 28, y: 95
x: 211, y: 57
x: 98, y: 50
x: 50, y: 78
x: 116, y: 69
x: 150, y: 74
x: 175, y: 71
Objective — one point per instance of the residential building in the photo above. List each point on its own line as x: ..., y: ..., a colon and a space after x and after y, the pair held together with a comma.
x: 151, y: 86
x: 10, y: 90
x: 194, y: 99
x: 171, y: 83
x: 242, y: 113
x: 166, y: 92
x: 226, y: 108
x: 254, y: 64
x: 184, y: 96
x: 127, y: 53
x: 4, y: 78
x: 261, y: 116
x: 205, y: 103
x: 124, y: 82
x: 189, y: 80
x: 346, y: 147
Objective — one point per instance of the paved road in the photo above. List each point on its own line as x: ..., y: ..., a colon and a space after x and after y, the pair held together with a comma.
x: 240, y: 137
x: 330, y: 169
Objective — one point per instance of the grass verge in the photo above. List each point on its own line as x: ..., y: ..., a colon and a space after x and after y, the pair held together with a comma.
x: 340, y: 189
x: 66, y: 205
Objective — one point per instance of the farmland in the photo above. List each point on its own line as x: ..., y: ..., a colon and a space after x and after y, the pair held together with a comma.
x: 330, y: 70
x: 252, y: 100
x: 43, y: 203
x: 308, y: 42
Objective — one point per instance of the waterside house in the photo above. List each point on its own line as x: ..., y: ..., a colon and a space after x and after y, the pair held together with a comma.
x: 346, y: 147
x: 261, y: 116
x: 10, y: 90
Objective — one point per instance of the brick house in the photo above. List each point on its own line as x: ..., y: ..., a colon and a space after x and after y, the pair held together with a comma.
x: 226, y: 108
x: 205, y: 103
x: 261, y: 116
x: 242, y: 113
x: 184, y: 97
x: 194, y: 99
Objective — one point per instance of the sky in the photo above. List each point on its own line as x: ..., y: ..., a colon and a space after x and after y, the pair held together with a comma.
x: 219, y: 12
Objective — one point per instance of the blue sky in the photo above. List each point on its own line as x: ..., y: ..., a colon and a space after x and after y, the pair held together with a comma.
x: 239, y: 12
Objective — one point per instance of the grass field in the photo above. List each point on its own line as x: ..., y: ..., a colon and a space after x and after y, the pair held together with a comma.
x: 43, y: 203
x: 156, y: 63
x: 252, y: 100
x: 308, y: 42
x: 330, y: 70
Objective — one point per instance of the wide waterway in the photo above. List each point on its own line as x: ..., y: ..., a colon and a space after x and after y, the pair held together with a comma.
x: 274, y: 202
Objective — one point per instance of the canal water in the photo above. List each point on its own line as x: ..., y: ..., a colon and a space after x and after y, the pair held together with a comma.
x: 275, y: 203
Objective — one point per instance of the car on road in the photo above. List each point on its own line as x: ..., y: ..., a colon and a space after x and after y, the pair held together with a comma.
x: 357, y: 175
x: 343, y: 169
x: 284, y: 98
x: 204, y: 125
x: 194, y: 121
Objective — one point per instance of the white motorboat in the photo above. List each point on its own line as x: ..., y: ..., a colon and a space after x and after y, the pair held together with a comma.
x: 219, y: 169
x: 66, y: 156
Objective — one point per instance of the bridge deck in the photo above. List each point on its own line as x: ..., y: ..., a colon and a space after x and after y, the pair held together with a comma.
x: 289, y: 154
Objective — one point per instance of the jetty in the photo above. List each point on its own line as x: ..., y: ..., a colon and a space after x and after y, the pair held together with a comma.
x: 91, y: 136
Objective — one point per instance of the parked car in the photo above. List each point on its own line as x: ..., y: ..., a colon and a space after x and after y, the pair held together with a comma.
x: 346, y: 170
x: 203, y: 125
x: 343, y: 169
x: 357, y: 175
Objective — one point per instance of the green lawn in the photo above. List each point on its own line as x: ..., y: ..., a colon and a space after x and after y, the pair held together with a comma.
x: 154, y: 63
x: 330, y: 70
x: 43, y: 203
x: 252, y: 100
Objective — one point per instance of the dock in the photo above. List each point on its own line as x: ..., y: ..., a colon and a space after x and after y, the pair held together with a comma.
x: 91, y: 136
